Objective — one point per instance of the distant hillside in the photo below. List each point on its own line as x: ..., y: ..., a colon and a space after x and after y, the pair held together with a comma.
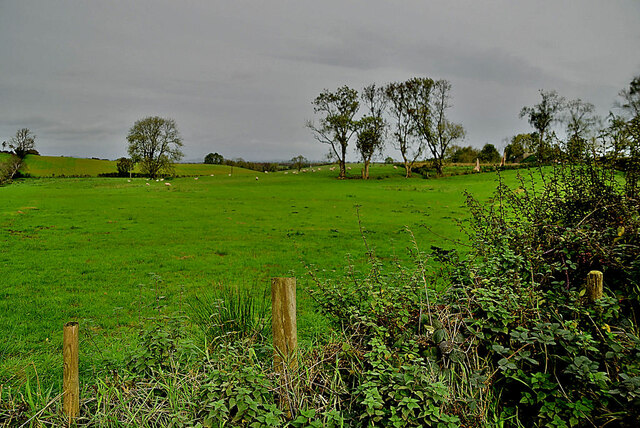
x: 58, y: 166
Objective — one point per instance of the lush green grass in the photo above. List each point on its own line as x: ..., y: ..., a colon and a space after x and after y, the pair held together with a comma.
x: 83, y: 249
x: 48, y: 166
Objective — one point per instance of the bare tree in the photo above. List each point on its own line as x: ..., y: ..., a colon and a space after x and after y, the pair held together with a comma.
x: 580, y: 120
x: 444, y: 132
x: 371, y: 128
x: 155, y: 143
x: 401, y: 98
x: 428, y: 106
x: 337, y: 124
x: 541, y: 117
x: 22, y: 142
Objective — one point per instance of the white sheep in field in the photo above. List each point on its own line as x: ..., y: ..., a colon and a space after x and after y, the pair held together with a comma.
x: 319, y: 169
x: 162, y: 179
x: 395, y: 167
x: 286, y: 172
x: 128, y: 181
x: 147, y: 184
x: 256, y: 178
x: 167, y: 184
x: 349, y: 168
x: 195, y: 178
x: 212, y: 175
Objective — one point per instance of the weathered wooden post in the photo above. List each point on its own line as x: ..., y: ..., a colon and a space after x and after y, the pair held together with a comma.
x: 283, y: 322
x: 70, y: 380
x: 594, y: 285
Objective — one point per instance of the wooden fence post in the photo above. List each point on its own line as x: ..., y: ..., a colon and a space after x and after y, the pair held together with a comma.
x: 70, y: 380
x: 594, y: 285
x: 283, y: 322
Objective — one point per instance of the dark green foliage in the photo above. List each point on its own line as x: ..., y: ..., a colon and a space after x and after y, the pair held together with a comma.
x: 459, y: 154
x: 125, y: 166
x: 403, y: 358
x: 559, y: 360
x: 489, y: 154
x: 238, y: 392
x: 579, y: 220
x: 255, y: 166
x: 214, y: 158
x: 158, y: 346
x: 519, y: 146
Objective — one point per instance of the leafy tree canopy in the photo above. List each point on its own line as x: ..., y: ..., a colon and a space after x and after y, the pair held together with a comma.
x: 155, y: 142
x: 214, y: 158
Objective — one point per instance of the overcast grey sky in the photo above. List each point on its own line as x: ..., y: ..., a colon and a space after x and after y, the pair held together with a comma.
x: 239, y: 76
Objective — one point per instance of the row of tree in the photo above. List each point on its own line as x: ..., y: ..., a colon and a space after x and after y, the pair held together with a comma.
x: 413, y: 115
x: 414, y: 112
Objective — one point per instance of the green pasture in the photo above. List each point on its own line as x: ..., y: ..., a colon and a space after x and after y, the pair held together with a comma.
x: 90, y: 249
x: 59, y: 166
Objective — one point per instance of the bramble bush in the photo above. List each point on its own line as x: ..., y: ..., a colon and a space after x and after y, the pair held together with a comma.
x: 559, y: 359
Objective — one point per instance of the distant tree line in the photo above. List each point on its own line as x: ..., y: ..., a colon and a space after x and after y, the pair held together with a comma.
x: 297, y: 162
x: 469, y: 154
x: 218, y: 159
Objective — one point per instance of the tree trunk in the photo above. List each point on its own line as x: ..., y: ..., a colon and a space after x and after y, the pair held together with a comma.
x: 406, y: 166
x: 438, y: 164
x: 366, y: 169
x: 343, y: 170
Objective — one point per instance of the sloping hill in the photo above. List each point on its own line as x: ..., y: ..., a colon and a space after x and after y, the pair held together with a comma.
x: 58, y: 166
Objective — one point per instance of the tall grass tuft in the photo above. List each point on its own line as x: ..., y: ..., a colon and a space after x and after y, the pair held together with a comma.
x: 231, y: 314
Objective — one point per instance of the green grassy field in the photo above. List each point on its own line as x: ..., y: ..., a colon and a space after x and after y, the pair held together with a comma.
x: 83, y: 249
x: 58, y: 166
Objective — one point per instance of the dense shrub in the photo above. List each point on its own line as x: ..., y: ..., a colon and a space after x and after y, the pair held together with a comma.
x: 559, y: 360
